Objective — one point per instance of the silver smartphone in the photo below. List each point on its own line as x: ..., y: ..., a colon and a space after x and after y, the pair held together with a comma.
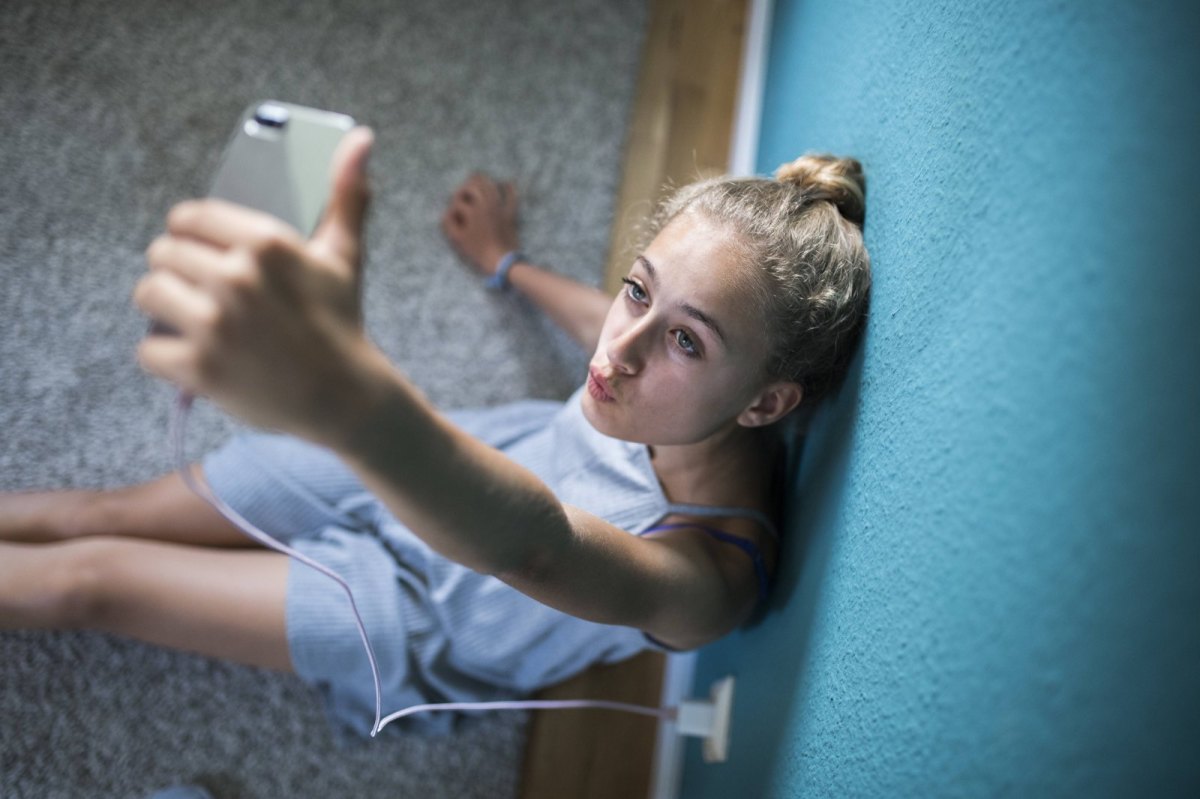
x: 278, y: 161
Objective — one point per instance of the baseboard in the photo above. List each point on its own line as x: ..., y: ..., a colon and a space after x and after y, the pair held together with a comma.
x: 669, y: 748
x: 743, y: 147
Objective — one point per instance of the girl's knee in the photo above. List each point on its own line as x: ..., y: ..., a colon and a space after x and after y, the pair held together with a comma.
x: 99, y: 513
x: 78, y: 581
x: 73, y: 513
x: 79, y: 514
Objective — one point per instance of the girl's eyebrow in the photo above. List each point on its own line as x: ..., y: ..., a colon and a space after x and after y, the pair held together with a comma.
x: 649, y: 267
x: 690, y: 310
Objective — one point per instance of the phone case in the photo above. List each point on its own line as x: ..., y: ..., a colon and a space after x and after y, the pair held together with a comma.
x: 278, y: 161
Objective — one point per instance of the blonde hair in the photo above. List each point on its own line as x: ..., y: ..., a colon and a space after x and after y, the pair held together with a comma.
x: 804, y: 229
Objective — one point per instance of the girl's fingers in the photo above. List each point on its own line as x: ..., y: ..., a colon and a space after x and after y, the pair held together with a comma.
x: 170, y: 358
x: 341, y: 230
x: 194, y: 261
x: 224, y: 224
x: 168, y: 298
x: 222, y: 270
x: 459, y: 206
x: 453, y: 221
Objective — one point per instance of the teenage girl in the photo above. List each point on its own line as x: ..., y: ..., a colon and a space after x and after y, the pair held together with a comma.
x: 490, y: 551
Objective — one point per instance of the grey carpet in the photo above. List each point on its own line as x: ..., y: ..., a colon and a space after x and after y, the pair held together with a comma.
x: 109, y: 113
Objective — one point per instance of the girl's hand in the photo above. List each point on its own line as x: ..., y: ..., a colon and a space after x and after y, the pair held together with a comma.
x: 480, y: 221
x: 269, y: 325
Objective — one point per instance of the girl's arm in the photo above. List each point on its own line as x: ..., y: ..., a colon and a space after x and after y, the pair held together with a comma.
x: 474, y: 505
x: 481, y: 224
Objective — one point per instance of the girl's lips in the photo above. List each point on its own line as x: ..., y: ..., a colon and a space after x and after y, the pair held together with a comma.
x: 598, y: 387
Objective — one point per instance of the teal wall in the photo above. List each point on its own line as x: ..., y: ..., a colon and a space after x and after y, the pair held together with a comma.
x: 992, y: 578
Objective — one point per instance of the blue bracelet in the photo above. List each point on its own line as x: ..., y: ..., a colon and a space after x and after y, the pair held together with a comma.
x: 499, y: 280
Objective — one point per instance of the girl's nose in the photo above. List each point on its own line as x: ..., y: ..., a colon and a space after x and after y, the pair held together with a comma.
x: 625, y: 350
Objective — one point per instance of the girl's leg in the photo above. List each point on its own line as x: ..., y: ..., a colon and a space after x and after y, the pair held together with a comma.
x: 220, y: 603
x: 163, y: 510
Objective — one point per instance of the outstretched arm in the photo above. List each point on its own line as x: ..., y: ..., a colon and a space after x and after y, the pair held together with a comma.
x: 481, y: 224
x: 473, y: 504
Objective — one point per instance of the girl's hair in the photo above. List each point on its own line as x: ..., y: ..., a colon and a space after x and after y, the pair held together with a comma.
x: 804, y: 229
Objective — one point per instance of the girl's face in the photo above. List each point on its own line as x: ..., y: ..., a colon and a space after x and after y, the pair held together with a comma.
x: 683, y: 347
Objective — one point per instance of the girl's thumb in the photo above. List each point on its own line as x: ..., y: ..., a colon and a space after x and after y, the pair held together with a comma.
x: 341, y: 229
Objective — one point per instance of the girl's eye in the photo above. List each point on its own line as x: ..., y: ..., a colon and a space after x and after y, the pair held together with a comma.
x: 686, y: 344
x: 633, y: 290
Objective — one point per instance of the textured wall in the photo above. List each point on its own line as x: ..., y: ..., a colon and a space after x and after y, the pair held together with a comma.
x: 993, y: 573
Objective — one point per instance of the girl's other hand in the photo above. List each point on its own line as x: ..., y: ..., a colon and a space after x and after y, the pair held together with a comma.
x: 480, y: 221
x: 270, y: 325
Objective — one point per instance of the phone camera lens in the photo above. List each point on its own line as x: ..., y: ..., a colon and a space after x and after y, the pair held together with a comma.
x: 271, y: 116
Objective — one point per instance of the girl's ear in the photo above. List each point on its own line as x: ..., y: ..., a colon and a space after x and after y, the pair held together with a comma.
x: 772, y: 404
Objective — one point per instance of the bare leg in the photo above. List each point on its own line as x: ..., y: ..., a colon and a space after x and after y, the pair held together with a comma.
x: 162, y: 510
x: 220, y: 603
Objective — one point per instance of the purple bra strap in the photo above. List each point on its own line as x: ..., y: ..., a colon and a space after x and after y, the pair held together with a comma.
x: 760, y: 569
x: 687, y: 509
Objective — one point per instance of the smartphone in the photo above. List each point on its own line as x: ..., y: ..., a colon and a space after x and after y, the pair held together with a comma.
x: 278, y: 161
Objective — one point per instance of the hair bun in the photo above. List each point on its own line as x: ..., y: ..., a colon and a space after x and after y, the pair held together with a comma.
x: 826, y: 177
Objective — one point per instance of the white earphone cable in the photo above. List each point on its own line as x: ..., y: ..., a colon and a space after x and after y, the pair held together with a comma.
x: 200, y: 487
